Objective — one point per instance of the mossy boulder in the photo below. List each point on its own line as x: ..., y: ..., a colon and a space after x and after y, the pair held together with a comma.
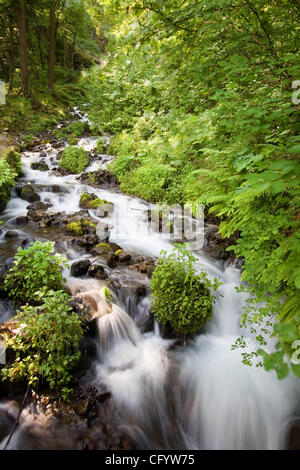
x: 91, y: 201
x: 74, y: 159
x: 29, y: 194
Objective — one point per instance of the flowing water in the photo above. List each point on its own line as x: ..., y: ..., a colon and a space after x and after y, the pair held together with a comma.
x: 196, y: 397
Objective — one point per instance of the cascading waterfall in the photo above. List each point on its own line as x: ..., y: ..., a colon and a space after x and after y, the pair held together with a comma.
x: 197, y: 397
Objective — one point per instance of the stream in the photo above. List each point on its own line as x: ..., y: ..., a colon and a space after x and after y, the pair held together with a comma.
x: 165, y: 396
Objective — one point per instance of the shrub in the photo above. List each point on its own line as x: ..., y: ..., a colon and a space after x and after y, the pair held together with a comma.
x: 7, y: 179
x: 77, y: 128
x: 100, y: 146
x: 180, y: 295
x: 36, y: 267
x: 74, y: 159
x: 46, y: 346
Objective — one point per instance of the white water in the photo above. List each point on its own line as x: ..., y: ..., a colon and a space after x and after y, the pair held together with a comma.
x: 198, y: 397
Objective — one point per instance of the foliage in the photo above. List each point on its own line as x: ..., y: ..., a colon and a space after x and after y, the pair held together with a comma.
x: 100, y: 146
x: 7, y: 179
x: 75, y: 129
x: 46, y: 347
x: 199, y: 97
x: 181, y: 295
x: 34, y: 268
x: 74, y: 159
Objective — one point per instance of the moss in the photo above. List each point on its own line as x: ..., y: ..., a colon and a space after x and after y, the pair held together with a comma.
x: 103, y: 247
x: 72, y: 140
x: 89, y: 201
x: 75, y: 227
x: 74, y: 159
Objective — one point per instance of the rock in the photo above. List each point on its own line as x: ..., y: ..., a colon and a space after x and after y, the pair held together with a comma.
x: 11, y: 234
x: 112, y: 261
x: 39, y: 206
x: 28, y: 194
x: 127, y: 443
x: 294, y: 438
x: 80, y: 268
x: 82, y: 408
x: 125, y: 258
x: 58, y: 189
x: 98, y: 271
x: 22, y: 220
x: 41, y: 166
x: 103, y: 397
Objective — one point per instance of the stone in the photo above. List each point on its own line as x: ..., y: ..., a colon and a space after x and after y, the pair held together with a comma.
x: 82, y: 408
x: 11, y: 234
x: 22, y: 220
x: 28, y: 194
x: 80, y: 268
x: 98, y: 271
x: 125, y: 258
x: 41, y: 166
x: 39, y: 206
x: 112, y: 261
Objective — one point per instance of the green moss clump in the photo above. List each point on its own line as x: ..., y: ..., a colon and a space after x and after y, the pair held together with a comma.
x: 104, y: 248
x: 89, y: 201
x: 74, y: 159
x: 75, y: 227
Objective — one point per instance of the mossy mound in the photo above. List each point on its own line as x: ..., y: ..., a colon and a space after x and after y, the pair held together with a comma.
x: 90, y: 201
x: 74, y: 159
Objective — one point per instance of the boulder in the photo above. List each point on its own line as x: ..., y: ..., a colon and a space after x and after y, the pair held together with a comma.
x: 41, y: 166
x: 28, y: 194
x: 39, y: 206
x: 80, y: 268
x: 11, y: 234
x: 22, y: 220
x: 98, y: 271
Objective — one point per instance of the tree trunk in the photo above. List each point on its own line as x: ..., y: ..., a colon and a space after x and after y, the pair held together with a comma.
x: 11, y: 55
x: 25, y: 87
x: 52, y: 33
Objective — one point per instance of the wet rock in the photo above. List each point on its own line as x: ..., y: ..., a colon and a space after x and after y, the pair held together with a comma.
x: 112, y: 261
x: 82, y: 408
x: 11, y: 234
x: 103, y: 178
x: 28, y: 194
x: 216, y: 246
x: 80, y: 268
x: 125, y: 258
x: 58, y: 189
x: 127, y: 443
x: 98, y: 271
x: 41, y: 166
x: 294, y: 438
x: 103, y: 397
x: 22, y: 220
x: 39, y: 206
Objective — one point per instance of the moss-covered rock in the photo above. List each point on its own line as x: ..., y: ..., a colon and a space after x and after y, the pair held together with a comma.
x: 90, y: 201
x: 74, y: 159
